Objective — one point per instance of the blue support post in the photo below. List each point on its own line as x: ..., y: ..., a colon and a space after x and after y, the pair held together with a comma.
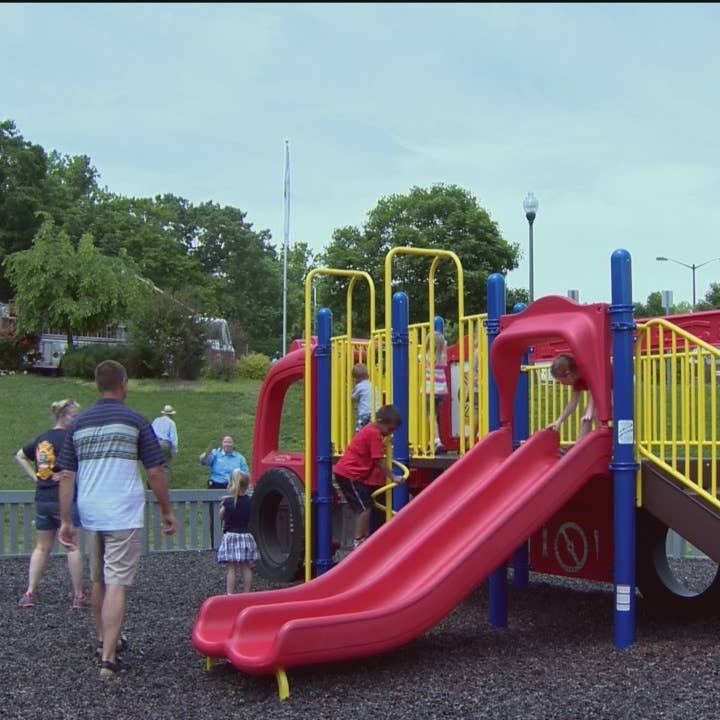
x: 521, y: 431
x: 323, y: 496
x: 401, y: 442
x: 623, y: 465
x: 498, y: 594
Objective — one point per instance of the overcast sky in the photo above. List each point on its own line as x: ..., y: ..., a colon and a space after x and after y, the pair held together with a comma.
x: 609, y: 114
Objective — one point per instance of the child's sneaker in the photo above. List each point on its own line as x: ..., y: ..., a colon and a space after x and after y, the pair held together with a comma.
x: 27, y: 600
x: 358, y: 541
x: 80, y: 601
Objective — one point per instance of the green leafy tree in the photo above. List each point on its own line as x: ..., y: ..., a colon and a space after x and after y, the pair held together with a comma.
x: 167, y: 334
x: 443, y: 217
x: 241, y: 267
x: 75, y: 290
x: 71, y: 192
x: 515, y: 296
x: 711, y: 301
x: 154, y: 233
x: 300, y: 260
x: 23, y: 171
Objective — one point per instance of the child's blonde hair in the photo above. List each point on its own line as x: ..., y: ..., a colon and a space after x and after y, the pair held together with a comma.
x: 440, y: 347
x: 238, y: 484
x: 360, y: 371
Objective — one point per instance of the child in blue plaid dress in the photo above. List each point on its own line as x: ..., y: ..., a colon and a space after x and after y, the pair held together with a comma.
x: 238, y: 550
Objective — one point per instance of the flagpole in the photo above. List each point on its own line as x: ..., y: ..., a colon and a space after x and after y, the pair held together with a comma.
x: 286, y: 244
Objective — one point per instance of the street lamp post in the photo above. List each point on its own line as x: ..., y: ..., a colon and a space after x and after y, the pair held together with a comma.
x: 530, y: 206
x: 693, y: 267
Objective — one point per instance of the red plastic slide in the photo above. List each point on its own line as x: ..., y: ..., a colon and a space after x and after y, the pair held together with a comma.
x: 415, y: 569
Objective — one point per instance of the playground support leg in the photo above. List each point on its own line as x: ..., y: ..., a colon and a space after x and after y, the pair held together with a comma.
x: 283, y: 684
x: 401, y: 447
x: 323, y: 539
x: 623, y: 464
x: 521, y: 430
x: 498, y: 595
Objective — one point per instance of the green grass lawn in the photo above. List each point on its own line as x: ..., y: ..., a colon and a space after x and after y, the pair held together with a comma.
x: 206, y: 410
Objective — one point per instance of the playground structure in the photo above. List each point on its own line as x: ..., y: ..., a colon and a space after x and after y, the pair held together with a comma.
x: 507, y: 492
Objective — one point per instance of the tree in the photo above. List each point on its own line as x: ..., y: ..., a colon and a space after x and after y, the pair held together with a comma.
x: 444, y: 217
x: 241, y: 268
x: 711, y: 301
x: 167, y: 335
x: 23, y: 170
x: 76, y: 290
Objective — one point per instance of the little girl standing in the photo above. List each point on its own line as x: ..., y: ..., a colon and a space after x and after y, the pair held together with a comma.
x: 237, y: 549
x: 436, y: 380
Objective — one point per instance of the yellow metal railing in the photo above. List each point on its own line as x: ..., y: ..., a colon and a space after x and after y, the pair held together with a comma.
x: 421, y: 432
x: 548, y: 398
x: 473, y: 416
x: 345, y: 352
x: 354, y: 276
x: 676, y: 406
x: 437, y: 256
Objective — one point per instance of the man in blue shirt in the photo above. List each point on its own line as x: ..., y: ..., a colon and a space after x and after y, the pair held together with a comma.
x: 222, y: 461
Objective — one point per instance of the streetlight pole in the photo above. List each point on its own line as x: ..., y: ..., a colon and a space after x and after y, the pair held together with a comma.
x: 530, y: 206
x: 693, y: 267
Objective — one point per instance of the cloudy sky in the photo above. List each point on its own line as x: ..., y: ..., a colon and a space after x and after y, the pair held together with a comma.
x: 609, y: 114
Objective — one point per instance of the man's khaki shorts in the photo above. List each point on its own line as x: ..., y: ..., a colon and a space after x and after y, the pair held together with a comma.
x: 114, y: 555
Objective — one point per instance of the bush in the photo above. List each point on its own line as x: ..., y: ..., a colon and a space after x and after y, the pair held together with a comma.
x: 220, y: 369
x: 12, y: 351
x: 253, y: 366
x: 82, y: 361
x: 168, y: 340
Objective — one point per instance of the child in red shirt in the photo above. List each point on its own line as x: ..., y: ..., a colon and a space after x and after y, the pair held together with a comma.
x: 362, y: 467
x: 565, y: 370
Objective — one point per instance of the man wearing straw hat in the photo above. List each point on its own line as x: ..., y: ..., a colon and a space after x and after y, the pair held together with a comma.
x: 166, y: 433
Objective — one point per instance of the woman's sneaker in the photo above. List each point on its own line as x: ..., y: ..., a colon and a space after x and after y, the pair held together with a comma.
x: 110, y: 669
x: 122, y: 646
x: 27, y: 600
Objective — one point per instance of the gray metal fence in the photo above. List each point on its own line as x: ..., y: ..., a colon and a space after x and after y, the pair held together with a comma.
x: 198, y: 528
x: 196, y: 512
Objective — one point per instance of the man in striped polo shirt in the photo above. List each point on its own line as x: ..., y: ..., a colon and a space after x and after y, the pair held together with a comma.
x: 102, y: 450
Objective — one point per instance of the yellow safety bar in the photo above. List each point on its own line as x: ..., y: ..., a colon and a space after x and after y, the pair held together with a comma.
x: 387, y: 489
x: 473, y: 416
x: 437, y: 257
x: 354, y: 275
x: 676, y: 401
x: 345, y: 352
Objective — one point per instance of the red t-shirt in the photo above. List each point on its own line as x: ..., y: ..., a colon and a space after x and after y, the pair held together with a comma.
x: 357, y: 462
x: 579, y: 385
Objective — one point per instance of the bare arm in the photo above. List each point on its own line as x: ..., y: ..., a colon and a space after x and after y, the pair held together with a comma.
x: 68, y: 532
x: 568, y: 411
x: 589, y: 413
x: 386, y: 470
x: 157, y: 482
x: 24, y: 462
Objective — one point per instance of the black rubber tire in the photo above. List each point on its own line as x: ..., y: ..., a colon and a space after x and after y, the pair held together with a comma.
x: 661, y: 592
x: 277, y: 512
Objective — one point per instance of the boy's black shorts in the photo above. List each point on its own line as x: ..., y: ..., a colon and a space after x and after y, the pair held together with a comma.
x: 356, y: 493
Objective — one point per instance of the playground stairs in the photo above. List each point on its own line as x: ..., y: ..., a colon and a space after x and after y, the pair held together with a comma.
x: 681, y: 509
